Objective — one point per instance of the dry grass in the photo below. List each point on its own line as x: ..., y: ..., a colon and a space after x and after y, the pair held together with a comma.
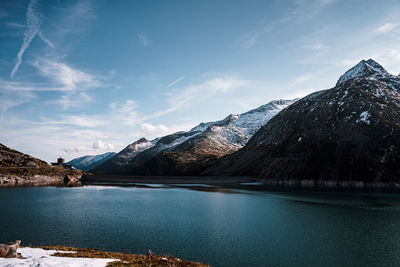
x: 124, y: 259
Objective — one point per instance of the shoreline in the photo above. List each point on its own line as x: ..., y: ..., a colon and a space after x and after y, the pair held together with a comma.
x: 130, y: 179
x: 245, y: 182
x: 234, y: 182
x: 71, y: 256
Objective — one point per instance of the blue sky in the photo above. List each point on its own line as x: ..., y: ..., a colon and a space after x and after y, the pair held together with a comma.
x: 86, y: 77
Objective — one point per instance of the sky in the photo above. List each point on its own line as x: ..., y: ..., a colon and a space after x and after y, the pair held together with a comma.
x: 87, y: 77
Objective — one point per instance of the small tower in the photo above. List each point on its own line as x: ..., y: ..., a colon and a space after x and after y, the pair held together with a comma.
x: 60, y: 161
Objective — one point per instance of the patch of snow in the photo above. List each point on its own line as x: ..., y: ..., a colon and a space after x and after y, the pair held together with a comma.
x: 39, y: 257
x: 364, y: 117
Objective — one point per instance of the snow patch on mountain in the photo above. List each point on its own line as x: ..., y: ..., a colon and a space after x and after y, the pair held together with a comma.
x: 364, y: 117
x: 365, y: 68
x: 91, y: 161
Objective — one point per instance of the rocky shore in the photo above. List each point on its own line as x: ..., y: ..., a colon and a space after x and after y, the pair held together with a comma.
x: 66, y: 178
x: 13, y: 255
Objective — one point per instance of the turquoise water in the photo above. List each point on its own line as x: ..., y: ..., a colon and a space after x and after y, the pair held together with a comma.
x: 220, y: 227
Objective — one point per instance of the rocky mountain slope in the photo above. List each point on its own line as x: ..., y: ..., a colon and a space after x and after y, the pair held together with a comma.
x: 117, y: 163
x: 12, y: 158
x: 89, y: 162
x: 187, y: 153
x: 345, y: 134
x: 18, y: 169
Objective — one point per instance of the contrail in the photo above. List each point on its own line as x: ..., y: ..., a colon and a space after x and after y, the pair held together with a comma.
x: 33, y: 28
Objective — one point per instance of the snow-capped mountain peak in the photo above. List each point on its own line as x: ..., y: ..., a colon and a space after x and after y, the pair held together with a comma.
x: 365, y: 68
x: 89, y: 162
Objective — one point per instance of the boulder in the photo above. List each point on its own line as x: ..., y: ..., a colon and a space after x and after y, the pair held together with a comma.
x: 72, y: 180
x: 10, y: 250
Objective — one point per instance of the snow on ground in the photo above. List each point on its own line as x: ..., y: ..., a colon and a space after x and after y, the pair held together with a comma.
x: 40, y: 257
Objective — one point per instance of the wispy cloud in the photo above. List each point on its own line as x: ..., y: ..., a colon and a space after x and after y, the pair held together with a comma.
x: 33, y: 26
x: 126, y: 112
x: 250, y: 39
x: 82, y: 120
x: 301, y: 79
x: 144, y: 39
x: 198, y: 92
x: 66, y: 77
x: 315, y: 45
x: 3, y: 14
x: 9, y: 99
x: 71, y: 100
x: 175, y: 82
x: 387, y: 27
x: 44, y: 39
x: 16, y: 25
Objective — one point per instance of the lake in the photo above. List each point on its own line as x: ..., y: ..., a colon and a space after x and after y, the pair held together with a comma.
x: 218, y: 226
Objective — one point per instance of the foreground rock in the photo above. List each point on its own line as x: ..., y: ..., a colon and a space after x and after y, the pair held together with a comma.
x: 10, y: 250
x: 10, y: 180
x: 348, y: 135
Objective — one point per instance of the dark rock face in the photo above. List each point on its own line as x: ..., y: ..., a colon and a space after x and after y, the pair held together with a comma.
x: 348, y: 133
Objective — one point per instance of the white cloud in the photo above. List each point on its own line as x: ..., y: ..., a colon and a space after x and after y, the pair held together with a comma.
x: 99, y: 145
x: 126, y: 112
x: 387, y: 27
x: 75, y: 150
x: 33, y: 27
x: 175, y: 82
x: 154, y: 130
x: 72, y: 100
x: 66, y: 77
x: 143, y: 39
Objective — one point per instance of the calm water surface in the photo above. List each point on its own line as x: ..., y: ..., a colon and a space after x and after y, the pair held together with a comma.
x: 223, y: 228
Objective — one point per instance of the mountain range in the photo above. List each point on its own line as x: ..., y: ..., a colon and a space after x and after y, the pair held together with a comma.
x: 89, y: 162
x: 188, y: 153
x: 347, y: 133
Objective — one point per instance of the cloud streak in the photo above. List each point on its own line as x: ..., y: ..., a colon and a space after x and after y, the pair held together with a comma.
x: 44, y: 39
x: 387, y: 27
x: 33, y: 26
x: 175, y: 82
x: 198, y: 92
